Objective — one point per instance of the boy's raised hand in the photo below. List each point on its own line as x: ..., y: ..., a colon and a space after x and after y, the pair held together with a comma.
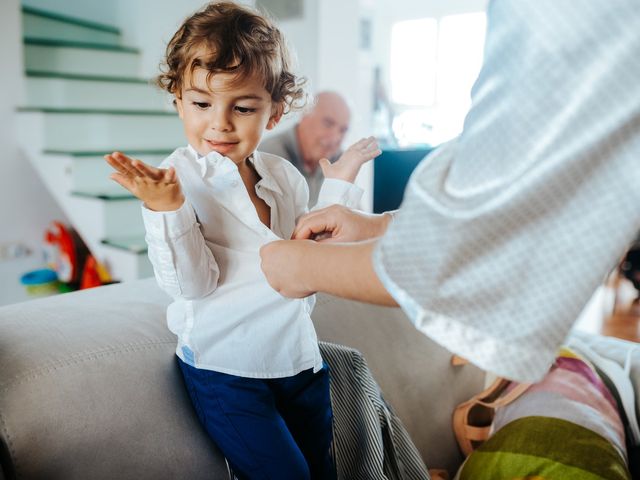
x: 158, y: 188
x: 348, y: 165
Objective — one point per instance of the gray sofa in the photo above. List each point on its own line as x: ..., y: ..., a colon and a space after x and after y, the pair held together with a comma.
x: 89, y: 386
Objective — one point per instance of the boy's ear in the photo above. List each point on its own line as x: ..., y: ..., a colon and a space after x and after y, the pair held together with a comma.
x: 178, y: 103
x: 278, y: 111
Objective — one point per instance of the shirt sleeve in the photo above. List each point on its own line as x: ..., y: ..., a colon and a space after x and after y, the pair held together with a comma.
x: 505, y: 233
x: 338, y: 191
x: 183, y: 264
x: 333, y: 191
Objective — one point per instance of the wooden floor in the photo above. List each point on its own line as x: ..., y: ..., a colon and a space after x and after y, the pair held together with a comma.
x: 623, y: 319
x: 624, y: 324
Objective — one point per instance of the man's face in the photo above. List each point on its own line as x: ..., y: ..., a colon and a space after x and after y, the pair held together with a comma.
x: 224, y: 116
x: 322, y: 130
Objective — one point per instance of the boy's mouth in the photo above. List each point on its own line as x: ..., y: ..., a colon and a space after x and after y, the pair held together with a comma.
x: 221, y: 147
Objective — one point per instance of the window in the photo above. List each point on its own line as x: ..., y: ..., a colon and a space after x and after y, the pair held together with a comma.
x: 413, y: 77
x: 434, y: 63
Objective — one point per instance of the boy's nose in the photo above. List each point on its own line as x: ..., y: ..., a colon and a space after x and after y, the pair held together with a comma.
x: 220, y: 121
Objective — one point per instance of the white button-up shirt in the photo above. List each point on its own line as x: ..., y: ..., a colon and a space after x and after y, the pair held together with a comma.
x: 505, y: 233
x: 206, y: 256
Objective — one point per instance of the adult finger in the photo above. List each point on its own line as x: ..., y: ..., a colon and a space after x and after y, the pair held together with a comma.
x: 310, y: 226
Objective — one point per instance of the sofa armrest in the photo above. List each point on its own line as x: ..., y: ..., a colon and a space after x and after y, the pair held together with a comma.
x: 89, y: 388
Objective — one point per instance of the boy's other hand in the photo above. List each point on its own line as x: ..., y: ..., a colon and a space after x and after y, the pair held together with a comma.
x: 348, y: 165
x: 158, y: 188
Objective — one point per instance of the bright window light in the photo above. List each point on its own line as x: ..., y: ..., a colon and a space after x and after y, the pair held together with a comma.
x: 460, y: 48
x: 434, y: 64
x: 413, y: 61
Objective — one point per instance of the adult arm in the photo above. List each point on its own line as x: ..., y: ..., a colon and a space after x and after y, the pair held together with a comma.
x: 300, y: 268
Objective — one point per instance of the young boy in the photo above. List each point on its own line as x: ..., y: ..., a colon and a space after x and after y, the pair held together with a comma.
x: 249, y: 357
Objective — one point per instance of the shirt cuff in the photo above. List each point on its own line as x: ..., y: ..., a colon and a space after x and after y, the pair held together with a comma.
x: 169, y: 225
x: 339, y: 191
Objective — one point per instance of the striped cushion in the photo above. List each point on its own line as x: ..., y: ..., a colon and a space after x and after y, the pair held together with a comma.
x: 566, y: 427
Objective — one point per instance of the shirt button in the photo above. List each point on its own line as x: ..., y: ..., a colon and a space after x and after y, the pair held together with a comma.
x: 234, y: 183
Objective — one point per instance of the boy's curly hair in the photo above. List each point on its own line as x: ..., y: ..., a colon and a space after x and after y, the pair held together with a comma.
x: 224, y: 37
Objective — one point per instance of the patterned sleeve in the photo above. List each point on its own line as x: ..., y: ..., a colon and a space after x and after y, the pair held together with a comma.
x: 506, y: 232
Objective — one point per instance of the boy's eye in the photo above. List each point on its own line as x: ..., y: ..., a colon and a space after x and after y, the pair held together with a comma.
x: 201, y: 105
x: 240, y: 109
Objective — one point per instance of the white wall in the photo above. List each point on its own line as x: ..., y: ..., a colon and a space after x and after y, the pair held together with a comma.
x: 26, y: 209
x: 149, y: 25
x: 302, y: 38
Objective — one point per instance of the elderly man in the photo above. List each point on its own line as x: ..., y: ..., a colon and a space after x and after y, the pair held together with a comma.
x: 317, y: 135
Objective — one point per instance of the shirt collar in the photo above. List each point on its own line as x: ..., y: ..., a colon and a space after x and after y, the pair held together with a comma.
x: 211, y: 160
x: 266, y: 177
x: 215, y: 159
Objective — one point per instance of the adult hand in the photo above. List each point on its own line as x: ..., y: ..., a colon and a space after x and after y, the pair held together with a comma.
x: 285, y: 266
x: 158, y: 188
x: 338, y: 223
x: 348, y: 165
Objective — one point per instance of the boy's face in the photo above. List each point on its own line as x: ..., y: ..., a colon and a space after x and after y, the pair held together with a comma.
x: 226, y: 117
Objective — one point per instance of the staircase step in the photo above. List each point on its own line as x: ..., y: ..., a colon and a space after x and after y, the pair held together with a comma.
x: 41, y: 24
x: 75, y: 91
x: 110, y: 216
x: 134, y: 244
x: 124, y: 264
x: 91, y: 46
x: 128, y: 257
x: 111, y: 193
x: 92, y: 217
x: 88, y: 129
x: 136, y: 152
x: 80, y: 76
x: 90, y: 172
x: 65, y: 56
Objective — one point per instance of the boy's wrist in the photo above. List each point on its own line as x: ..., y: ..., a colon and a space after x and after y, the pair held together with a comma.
x: 165, y: 206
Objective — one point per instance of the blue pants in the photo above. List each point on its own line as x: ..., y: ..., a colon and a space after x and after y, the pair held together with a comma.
x: 277, y: 428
